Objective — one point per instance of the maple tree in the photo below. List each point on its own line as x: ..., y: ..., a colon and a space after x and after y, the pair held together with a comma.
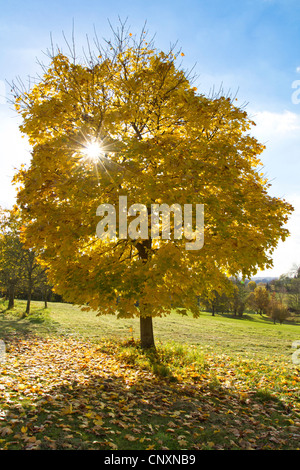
x: 162, y: 141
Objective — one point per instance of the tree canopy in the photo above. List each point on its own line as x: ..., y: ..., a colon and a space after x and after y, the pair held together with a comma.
x: 162, y: 142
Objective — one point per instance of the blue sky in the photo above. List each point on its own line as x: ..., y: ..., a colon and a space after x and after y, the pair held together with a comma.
x: 250, y: 47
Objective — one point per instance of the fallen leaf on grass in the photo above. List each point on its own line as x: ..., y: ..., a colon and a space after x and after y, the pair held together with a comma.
x: 67, y: 410
x: 112, y: 445
x: 151, y: 447
x: 6, y: 431
x: 130, y: 438
x: 60, y: 393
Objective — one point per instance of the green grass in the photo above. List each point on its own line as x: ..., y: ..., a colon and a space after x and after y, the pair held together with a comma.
x: 213, y: 382
x: 250, y: 336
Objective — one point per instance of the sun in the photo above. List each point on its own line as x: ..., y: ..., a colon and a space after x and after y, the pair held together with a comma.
x: 93, y: 151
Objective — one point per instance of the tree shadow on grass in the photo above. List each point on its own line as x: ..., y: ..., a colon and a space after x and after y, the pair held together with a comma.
x: 95, y: 405
x: 245, y: 316
x: 16, y: 324
x: 134, y: 354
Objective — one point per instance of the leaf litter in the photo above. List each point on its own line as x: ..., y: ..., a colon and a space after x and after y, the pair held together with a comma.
x: 64, y: 393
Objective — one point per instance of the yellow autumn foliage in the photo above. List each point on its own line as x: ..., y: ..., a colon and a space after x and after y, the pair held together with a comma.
x: 163, y: 141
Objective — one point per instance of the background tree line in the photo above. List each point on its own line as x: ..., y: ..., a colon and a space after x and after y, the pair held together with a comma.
x: 279, y: 299
x: 21, y: 274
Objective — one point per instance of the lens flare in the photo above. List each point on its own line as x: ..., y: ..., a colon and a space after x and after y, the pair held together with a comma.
x: 93, y: 151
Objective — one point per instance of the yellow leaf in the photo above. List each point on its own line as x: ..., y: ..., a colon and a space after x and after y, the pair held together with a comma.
x: 98, y: 421
x: 130, y: 438
x: 112, y: 445
x: 68, y: 410
x: 151, y: 447
x: 182, y: 442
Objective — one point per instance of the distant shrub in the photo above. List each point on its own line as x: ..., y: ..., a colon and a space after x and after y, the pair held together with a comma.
x: 277, y: 310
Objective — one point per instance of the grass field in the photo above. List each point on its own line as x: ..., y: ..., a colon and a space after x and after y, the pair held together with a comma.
x: 72, y: 380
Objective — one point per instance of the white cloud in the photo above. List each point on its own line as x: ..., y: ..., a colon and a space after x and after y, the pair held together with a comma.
x: 14, y: 150
x: 275, y: 125
x: 288, y: 252
x: 280, y: 133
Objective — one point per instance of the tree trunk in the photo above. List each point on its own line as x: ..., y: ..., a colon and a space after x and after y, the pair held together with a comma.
x: 146, y: 332
x: 146, y: 325
x: 29, y: 293
x: 28, y: 303
x: 11, y: 297
x: 46, y: 298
